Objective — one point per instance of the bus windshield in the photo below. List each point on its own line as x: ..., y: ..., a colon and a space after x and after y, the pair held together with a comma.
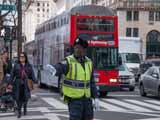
x: 103, y: 58
x: 95, y: 24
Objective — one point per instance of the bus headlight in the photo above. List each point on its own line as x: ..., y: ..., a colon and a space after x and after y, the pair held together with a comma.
x: 113, y: 80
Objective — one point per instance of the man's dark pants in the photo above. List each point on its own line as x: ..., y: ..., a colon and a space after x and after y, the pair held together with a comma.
x: 81, y: 109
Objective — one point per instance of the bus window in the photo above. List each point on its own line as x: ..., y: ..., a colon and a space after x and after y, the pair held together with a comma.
x: 88, y: 36
x: 94, y: 24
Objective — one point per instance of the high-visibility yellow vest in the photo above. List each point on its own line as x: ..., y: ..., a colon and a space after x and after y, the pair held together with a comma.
x: 77, y: 80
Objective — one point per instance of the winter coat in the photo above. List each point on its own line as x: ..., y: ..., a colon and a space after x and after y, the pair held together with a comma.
x: 16, y: 80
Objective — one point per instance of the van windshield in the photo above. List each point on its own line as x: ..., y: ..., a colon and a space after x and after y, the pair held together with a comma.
x: 132, y: 57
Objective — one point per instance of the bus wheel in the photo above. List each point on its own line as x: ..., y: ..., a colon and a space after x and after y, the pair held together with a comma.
x: 102, y: 93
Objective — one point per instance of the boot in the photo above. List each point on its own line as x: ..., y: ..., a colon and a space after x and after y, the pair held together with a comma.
x: 25, y: 109
x: 19, y: 114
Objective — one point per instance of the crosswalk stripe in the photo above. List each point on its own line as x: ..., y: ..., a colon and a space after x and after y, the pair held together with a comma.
x: 110, y: 107
x: 6, y: 114
x: 55, y: 103
x: 127, y: 105
x: 153, y: 102
x: 155, y: 107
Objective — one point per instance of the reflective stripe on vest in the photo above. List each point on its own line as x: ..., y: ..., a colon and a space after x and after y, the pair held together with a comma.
x: 77, y: 80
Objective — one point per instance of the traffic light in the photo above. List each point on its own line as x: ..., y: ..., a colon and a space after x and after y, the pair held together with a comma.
x: 2, y: 32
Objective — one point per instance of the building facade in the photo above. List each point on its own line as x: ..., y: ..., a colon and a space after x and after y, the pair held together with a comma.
x: 34, y: 14
x: 141, y: 18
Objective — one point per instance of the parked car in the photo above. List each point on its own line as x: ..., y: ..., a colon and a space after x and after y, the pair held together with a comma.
x: 150, y: 82
x: 126, y: 78
x: 147, y: 64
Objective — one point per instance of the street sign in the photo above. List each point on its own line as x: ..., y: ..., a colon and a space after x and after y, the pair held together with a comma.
x: 7, y: 7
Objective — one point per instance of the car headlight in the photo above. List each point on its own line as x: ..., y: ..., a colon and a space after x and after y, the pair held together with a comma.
x: 131, y: 70
x: 113, y: 80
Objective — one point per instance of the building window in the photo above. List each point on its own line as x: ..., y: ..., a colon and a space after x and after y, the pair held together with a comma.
x: 132, y: 15
x: 151, y: 15
x: 128, y: 32
x: 38, y: 9
x: 129, y: 15
x: 38, y: 4
x: 135, y: 32
x: 154, y: 15
x: 43, y: 4
x: 136, y: 15
x: 48, y: 4
x: 43, y: 10
x: 47, y: 10
x: 132, y: 32
x: 157, y: 16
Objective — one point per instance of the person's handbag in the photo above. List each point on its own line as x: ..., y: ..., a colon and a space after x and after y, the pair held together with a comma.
x: 30, y: 84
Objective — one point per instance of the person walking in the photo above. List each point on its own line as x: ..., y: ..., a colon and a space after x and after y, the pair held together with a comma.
x: 7, y: 65
x: 1, y: 68
x: 78, y: 87
x: 2, y: 85
x: 20, y: 75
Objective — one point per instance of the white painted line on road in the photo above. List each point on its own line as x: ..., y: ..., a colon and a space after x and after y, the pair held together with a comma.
x: 33, y: 95
x: 124, y: 95
x: 9, y: 118
x: 149, y: 119
x: 43, y: 109
x: 54, y: 116
x: 6, y: 114
x: 127, y: 105
x: 153, y: 102
x: 46, y: 94
x: 55, y: 103
x: 110, y: 107
x: 155, y: 107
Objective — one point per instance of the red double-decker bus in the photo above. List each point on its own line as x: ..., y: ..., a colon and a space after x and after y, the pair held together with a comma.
x: 96, y: 24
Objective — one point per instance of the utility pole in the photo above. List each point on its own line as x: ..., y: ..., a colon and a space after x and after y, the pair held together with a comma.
x: 19, y: 37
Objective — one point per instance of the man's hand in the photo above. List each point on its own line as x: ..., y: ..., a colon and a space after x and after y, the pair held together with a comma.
x: 96, y: 104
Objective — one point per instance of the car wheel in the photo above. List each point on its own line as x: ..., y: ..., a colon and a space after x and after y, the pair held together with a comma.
x: 102, y: 94
x: 158, y: 93
x: 142, y: 92
x: 131, y: 88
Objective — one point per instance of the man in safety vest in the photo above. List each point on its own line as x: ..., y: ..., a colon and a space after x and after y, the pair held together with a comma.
x: 78, y: 87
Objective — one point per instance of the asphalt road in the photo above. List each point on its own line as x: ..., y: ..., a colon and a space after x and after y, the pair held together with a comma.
x: 47, y: 104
